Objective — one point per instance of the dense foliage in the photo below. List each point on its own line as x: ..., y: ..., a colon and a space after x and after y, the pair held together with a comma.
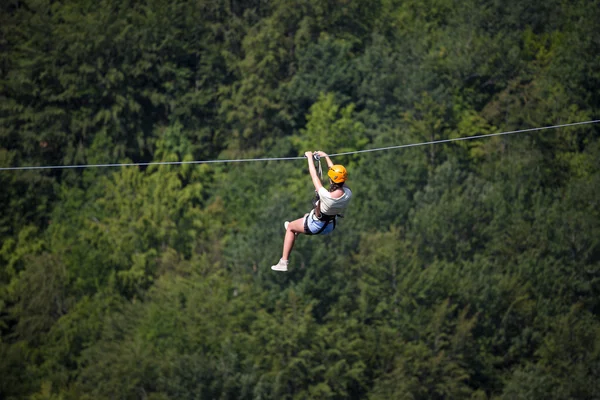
x: 464, y: 270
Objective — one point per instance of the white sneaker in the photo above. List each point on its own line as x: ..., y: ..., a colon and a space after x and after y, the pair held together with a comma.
x: 281, y: 266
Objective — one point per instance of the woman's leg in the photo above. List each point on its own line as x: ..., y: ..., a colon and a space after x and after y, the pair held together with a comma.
x: 293, y: 228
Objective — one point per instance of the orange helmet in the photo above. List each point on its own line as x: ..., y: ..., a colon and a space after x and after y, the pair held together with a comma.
x: 337, y: 173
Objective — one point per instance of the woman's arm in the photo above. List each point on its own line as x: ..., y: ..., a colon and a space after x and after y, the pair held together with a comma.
x: 323, y: 154
x: 313, y: 171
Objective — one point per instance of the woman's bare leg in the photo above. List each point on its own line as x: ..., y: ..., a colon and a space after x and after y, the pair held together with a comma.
x: 293, y: 228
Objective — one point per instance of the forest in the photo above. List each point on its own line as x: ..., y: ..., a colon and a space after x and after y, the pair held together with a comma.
x: 462, y: 270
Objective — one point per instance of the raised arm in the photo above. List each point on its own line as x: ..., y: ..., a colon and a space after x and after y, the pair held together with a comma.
x: 313, y: 171
x: 323, y: 154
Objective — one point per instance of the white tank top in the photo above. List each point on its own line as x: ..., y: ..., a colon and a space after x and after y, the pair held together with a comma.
x: 331, y: 206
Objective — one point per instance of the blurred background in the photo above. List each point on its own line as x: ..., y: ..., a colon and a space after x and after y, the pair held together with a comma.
x: 467, y: 270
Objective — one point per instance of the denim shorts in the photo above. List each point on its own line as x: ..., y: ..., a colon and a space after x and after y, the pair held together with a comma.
x: 312, y: 225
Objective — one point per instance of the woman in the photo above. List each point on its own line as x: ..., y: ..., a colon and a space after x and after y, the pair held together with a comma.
x: 330, y: 203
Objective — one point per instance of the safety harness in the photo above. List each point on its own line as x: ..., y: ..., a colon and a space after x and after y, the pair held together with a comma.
x: 320, y: 216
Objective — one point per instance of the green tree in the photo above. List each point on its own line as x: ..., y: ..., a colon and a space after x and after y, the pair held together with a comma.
x: 331, y: 128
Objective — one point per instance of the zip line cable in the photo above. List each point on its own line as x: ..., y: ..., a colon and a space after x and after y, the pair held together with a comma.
x: 293, y: 158
x: 466, y: 138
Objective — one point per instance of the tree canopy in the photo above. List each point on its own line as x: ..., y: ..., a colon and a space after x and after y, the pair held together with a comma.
x: 461, y: 270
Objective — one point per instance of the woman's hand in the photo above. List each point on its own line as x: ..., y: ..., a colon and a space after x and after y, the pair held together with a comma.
x: 313, y: 172
x: 323, y: 154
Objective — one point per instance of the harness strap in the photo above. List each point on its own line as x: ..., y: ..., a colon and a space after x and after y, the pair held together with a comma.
x: 318, y: 162
x: 327, y: 220
x: 325, y: 226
